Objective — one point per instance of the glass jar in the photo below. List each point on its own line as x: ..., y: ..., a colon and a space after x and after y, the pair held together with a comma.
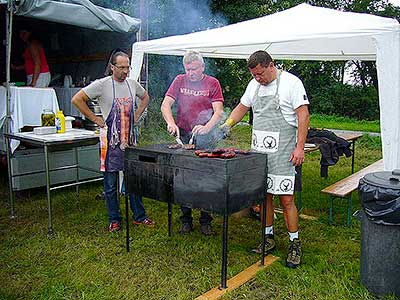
x: 48, y: 118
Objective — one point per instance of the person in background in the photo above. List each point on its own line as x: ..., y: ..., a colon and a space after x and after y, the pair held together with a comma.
x: 116, y: 96
x: 199, y: 102
x: 280, y: 126
x: 35, y: 63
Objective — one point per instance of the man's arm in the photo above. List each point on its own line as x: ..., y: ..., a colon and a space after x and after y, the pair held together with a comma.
x: 142, y: 106
x: 79, y: 101
x: 237, y: 114
x: 35, y: 53
x: 303, y: 121
x: 168, y: 117
x: 218, y: 108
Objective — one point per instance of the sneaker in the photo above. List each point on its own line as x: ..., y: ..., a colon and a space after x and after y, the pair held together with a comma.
x: 146, y: 222
x: 294, y: 253
x: 114, y: 227
x: 269, y: 245
x: 186, y: 228
x: 206, y: 229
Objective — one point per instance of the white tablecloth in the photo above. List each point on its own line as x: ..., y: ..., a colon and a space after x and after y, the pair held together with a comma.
x: 26, y: 107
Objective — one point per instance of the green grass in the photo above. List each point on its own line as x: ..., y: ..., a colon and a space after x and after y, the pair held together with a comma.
x: 344, y: 123
x: 84, y: 261
x: 335, y: 122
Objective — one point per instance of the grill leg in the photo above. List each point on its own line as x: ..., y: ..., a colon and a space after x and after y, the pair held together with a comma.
x: 224, y: 252
x: 127, y: 220
x: 263, y: 223
x: 169, y: 219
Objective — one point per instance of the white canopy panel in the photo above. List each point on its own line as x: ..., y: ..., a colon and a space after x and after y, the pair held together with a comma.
x: 305, y: 32
x: 81, y: 13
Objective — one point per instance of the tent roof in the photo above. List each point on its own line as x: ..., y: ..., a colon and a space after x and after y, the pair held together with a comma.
x: 302, y: 32
x: 81, y: 13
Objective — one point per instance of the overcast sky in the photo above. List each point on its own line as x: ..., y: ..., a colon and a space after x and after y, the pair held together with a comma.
x: 395, y: 2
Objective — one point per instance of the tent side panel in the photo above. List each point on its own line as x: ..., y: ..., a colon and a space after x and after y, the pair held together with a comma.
x: 388, y: 68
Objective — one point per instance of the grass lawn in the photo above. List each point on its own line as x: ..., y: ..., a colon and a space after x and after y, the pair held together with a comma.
x: 84, y: 261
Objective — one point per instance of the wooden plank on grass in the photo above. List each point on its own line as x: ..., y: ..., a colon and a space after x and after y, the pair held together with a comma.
x: 301, y: 216
x: 238, y: 280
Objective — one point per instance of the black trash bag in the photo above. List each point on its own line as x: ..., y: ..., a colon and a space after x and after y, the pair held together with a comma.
x: 380, y: 197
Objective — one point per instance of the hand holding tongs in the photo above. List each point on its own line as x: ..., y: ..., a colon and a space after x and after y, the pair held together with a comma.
x: 178, y: 139
x: 192, y: 139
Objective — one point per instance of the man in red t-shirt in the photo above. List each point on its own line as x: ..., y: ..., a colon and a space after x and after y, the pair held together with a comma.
x: 199, y: 102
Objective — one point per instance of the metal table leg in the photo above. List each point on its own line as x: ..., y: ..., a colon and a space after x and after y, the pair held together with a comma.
x: 10, y: 189
x: 169, y: 219
x: 47, y: 169
x: 224, y: 252
x: 263, y: 223
x: 77, y: 172
x: 127, y: 220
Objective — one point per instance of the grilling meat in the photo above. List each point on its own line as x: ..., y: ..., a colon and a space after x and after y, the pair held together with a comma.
x: 175, y: 146
x: 184, y: 146
x: 188, y: 146
x: 225, y: 153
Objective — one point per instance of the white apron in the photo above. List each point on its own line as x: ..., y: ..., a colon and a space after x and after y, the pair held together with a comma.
x: 273, y: 135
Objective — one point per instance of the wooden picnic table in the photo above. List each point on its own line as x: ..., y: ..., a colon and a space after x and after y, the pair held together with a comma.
x: 351, y: 137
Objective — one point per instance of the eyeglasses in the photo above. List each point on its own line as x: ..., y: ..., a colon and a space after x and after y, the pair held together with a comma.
x: 123, y: 67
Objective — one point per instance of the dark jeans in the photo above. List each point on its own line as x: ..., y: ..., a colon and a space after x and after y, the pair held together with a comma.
x: 110, y: 192
x: 205, y: 217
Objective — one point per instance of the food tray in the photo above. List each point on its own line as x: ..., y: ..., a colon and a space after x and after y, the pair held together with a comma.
x: 44, y: 130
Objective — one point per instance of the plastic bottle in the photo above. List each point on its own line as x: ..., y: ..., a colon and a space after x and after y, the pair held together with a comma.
x: 60, y: 122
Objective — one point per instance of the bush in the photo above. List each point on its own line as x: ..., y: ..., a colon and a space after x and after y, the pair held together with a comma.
x: 356, y: 102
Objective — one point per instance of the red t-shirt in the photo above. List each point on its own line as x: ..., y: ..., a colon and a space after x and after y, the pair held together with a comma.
x: 194, y: 100
x: 30, y: 66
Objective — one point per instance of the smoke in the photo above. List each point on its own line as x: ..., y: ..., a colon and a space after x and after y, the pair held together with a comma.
x: 166, y: 18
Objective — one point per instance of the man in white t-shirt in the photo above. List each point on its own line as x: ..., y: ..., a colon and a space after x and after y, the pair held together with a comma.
x: 280, y: 125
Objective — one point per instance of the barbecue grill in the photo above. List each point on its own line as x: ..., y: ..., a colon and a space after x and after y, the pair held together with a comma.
x: 216, y: 185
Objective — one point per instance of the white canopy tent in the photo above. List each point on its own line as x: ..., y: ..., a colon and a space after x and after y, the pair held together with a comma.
x: 305, y: 32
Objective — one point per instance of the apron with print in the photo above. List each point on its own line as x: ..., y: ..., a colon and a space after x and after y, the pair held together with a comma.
x: 273, y: 135
x: 119, y: 131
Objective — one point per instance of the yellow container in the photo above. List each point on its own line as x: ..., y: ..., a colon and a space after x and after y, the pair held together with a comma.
x: 60, y: 122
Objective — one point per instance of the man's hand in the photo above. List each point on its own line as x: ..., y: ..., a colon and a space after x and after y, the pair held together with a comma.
x: 297, y: 157
x: 200, y: 129
x: 173, y: 129
x: 99, y: 121
x: 227, y: 126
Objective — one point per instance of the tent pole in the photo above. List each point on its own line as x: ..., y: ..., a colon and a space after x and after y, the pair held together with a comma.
x: 7, y: 123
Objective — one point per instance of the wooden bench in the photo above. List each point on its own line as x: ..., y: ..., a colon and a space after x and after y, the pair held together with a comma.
x: 345, y: 187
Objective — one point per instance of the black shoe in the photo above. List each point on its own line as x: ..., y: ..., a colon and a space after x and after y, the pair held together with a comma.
x: 186, y: 228
x: 206, y: 229
x: 294, y: 254
x: 269, y: 245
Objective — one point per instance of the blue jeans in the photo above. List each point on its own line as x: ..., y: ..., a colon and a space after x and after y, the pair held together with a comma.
x: 110, y: 192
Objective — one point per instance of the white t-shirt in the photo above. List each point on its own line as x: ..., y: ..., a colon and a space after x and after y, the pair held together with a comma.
x: 291, y: 95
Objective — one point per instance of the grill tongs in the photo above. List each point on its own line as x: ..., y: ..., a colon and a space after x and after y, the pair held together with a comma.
x: 192, y: 139
x: 178, y: 139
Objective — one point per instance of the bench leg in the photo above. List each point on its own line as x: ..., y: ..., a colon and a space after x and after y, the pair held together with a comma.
x: 349, y: 209
x: 331, y: 209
